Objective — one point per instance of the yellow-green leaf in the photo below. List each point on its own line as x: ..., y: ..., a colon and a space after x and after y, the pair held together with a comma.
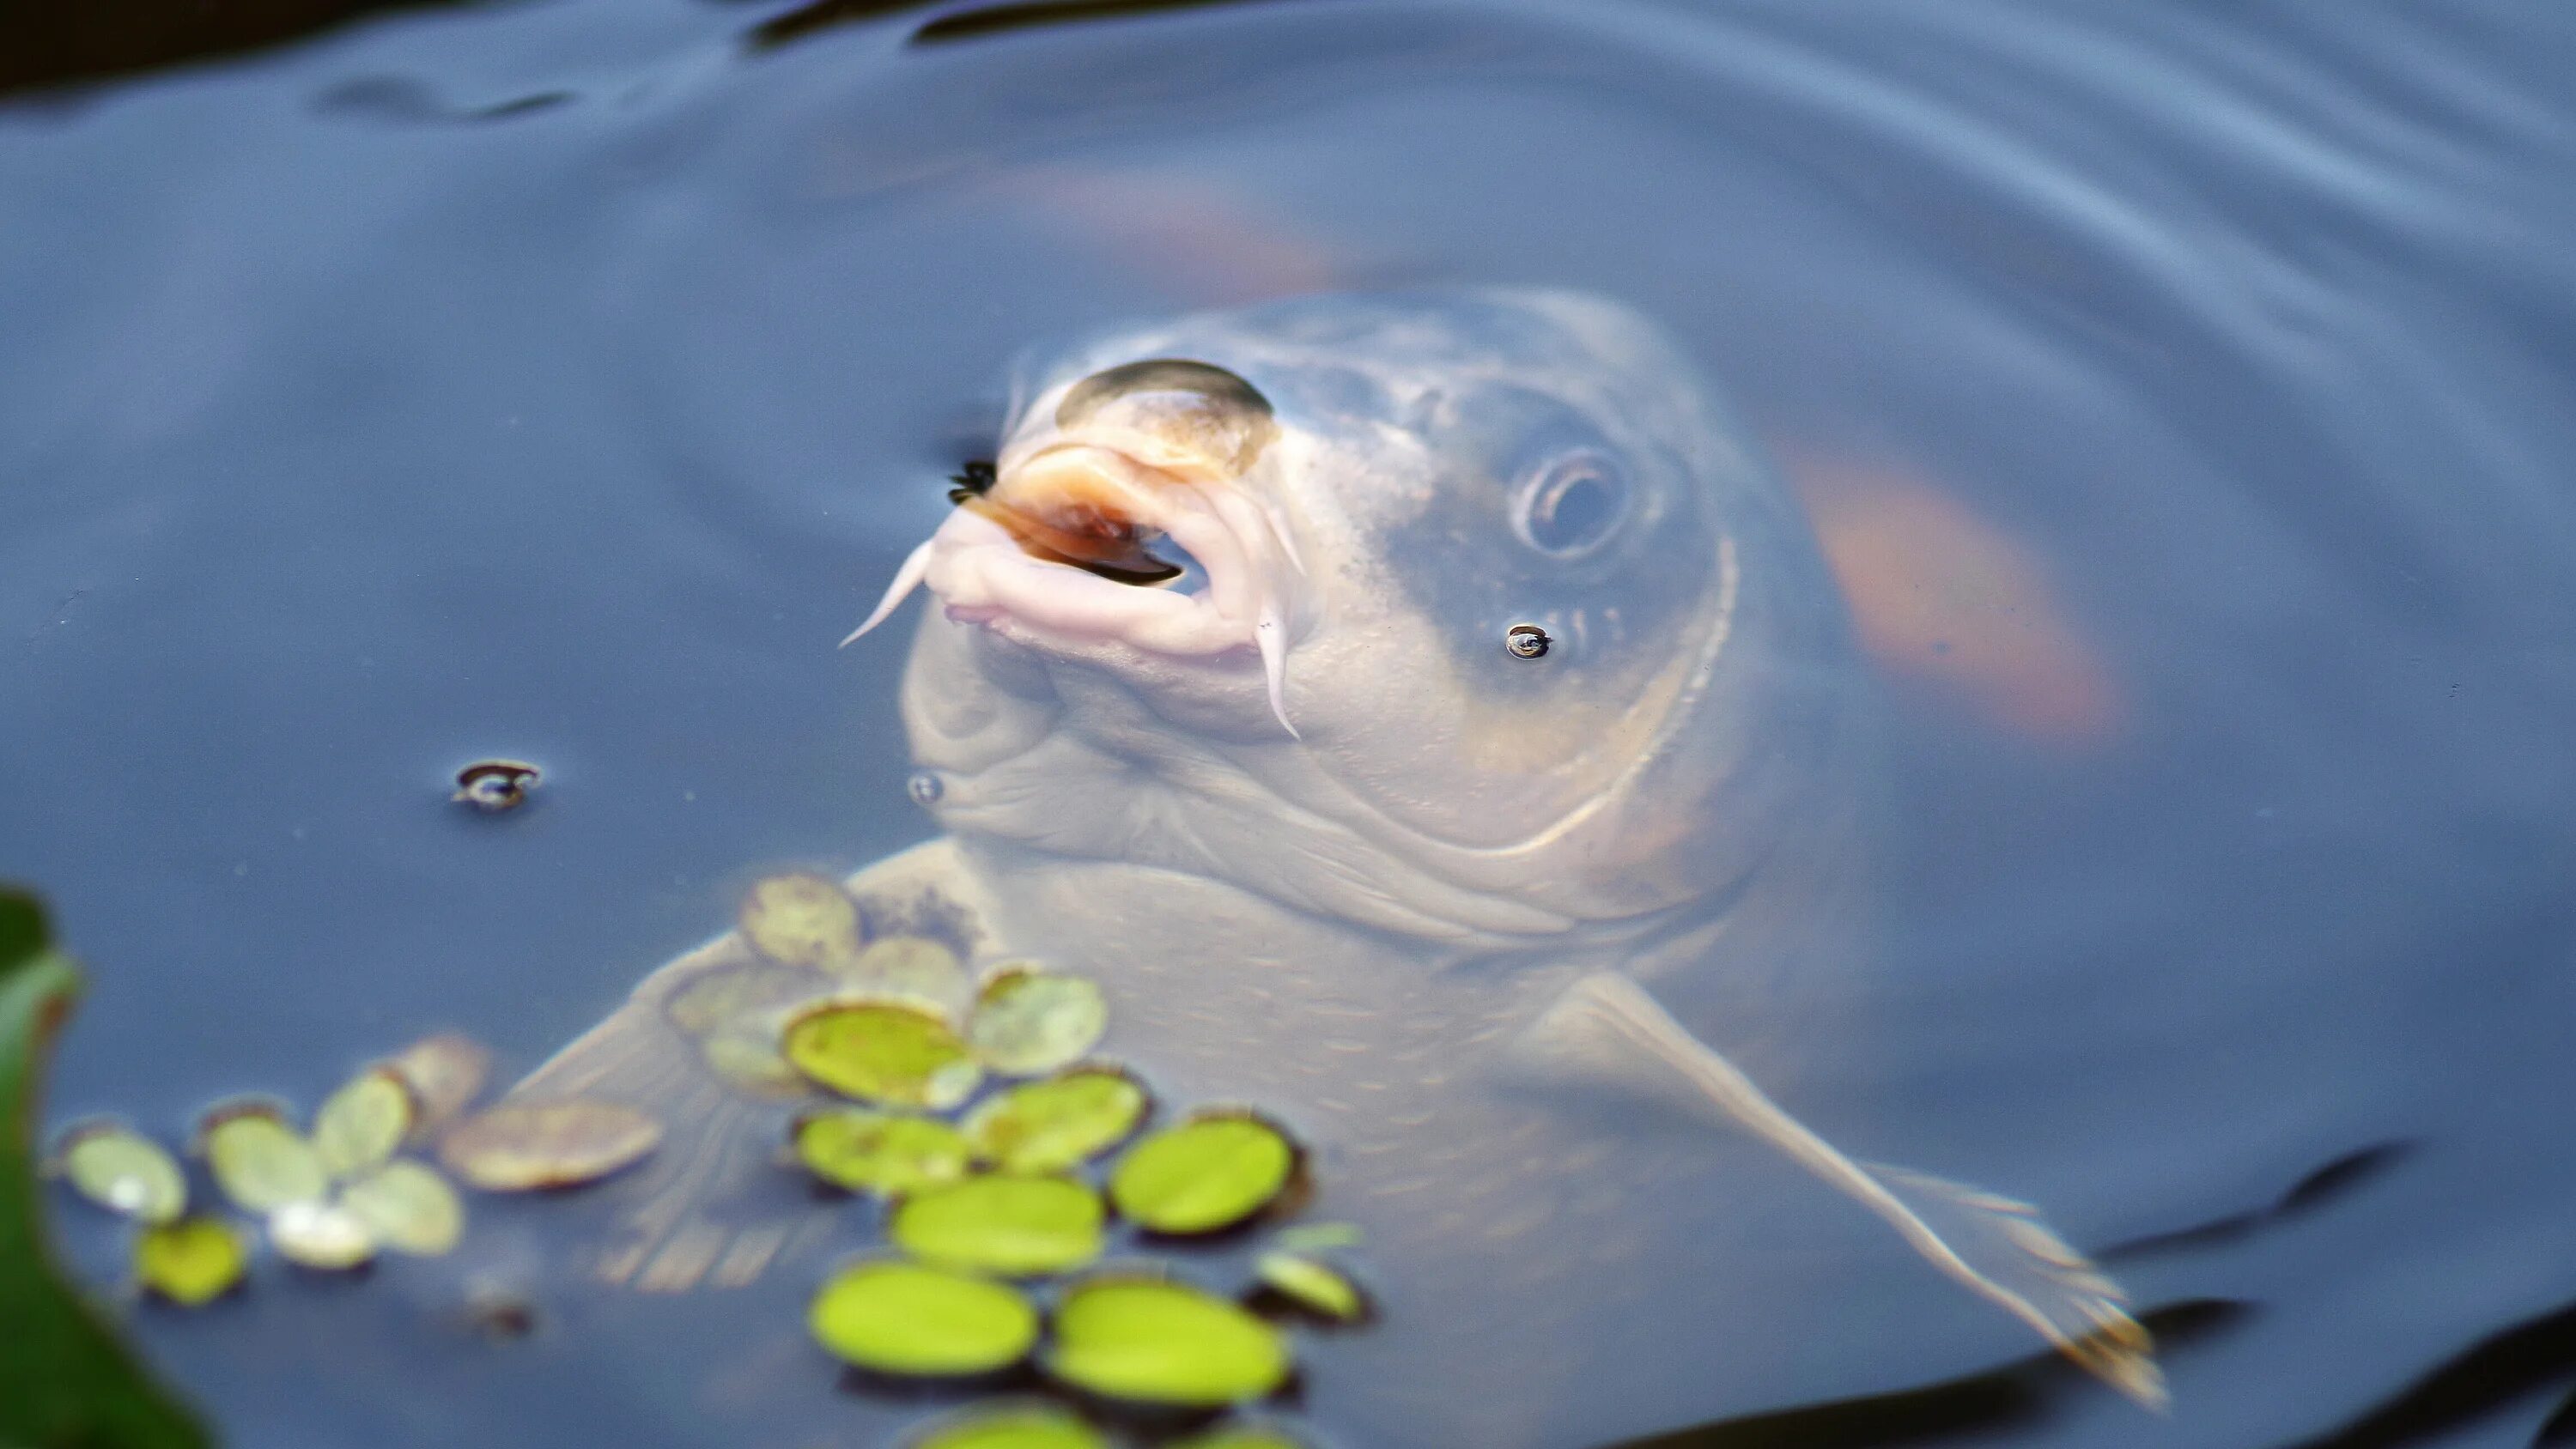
x: 802, y: 920
x: 1240, y: 1436
x: 360, y: 1125
x: 261, y: 1163
x: 1316, y: 1287
x: 526, y: 1146
x: 320, y: 1234
x: 1010, y: 1426
x: 890, y: 1052
x: 1029, y: 1022
x: 124, y: 1171
x: 1204, y: 1175
x: 1014, y: 1226
x: 911, y: 968
x: 1163, y: 1342
x: 410, y: 1208
x: 191, y: 1261
x: 904, y: 1318
x: 879, y: 1152
x: 1056, y: 1124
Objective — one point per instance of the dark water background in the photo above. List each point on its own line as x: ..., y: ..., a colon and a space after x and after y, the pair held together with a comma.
x: 562, y: 379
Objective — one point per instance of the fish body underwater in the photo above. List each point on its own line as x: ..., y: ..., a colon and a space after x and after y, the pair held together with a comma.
x: 1464, y: 920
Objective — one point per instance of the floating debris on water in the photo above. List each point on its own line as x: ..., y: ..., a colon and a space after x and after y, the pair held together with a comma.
x: 1013, y: 1227
x: 191, y: 1261
x: 123, y: 1171
x: 879, y: 1152
x: 261, y: 1163
x: 322, y: 1235
x: 408, y: 1207
x: 1057, y: 1124
x: 1157, y: 1341
x: 1205, y: 1175
x: 1022, y: 1426
x: 893, y: 1053
x: 802, y: 920
x: 523, y: 1147
x: 904, y: 1318
x: 1030, y: 1022
x: 444, y: 1072
x: 360, y: 1125
x: 1317, y: 1287
x: 493, y: 786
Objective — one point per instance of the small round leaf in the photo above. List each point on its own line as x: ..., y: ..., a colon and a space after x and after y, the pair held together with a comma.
x: 1028, y: 1023
x: 890, y: 1052
x: 261, y: 1163
x: 1033, y: 1426
x: 1056, y: 1124
x: 880, y: 1152
x: 1014, y: 1226
x: 123, y: 1171
x: 410, y: 1208
x: 360, y: 1125
x: 1204, y: 1175
x: 802, y: 920
x: 191, y: 1261
x: 325, y: 1235
x: 1319, y: 1288
x: 525, y: 1146
x: 1162, y: 1342
x: 911, y: 968
x: 903, y: 1318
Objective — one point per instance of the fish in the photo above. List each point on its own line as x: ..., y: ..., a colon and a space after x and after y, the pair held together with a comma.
x: 1225, y: 699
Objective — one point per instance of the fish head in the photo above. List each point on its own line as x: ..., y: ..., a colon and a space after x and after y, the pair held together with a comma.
x: 1242, y: 592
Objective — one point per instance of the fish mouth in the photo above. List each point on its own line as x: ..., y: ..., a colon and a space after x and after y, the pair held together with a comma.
x: 1058, y: 550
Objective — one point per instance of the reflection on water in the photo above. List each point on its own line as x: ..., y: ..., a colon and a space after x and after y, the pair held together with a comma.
x: 2180, y: 400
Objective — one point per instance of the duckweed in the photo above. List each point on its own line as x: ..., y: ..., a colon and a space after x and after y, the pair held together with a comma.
x: 1011, y: 1427
x: 1029, y: 1022
x: 1204, y: 1175
x: 408, y: 1207
x: 360, y: 1125
x: 123, y: 1171
x: 1156, y: 1341
x: 1316, y: 1287
x: 892, y: 1053
x: 802, y: 920
x: 1056, y: 1124
x: 191, y: 1261
x: 521, y: 1147
x: 1013, y: 1226
x: 261, y: 1163
x: 879, y: 1152
x: 904, y: 1318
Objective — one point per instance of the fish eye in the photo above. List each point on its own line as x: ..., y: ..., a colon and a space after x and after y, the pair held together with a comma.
x: 1570, y: 506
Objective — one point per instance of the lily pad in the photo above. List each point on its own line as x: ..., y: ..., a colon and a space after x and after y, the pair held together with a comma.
x: 527, y: 1146
x: 1029, y: 1022
x: 904, y: 1318
x: 261, y: 1163
x: 1319, y: 1288
x: 1204, y: 1175
x: 889, y: 1052
x: 912, y: 968
x: 324, y: 1235
x: 1156, y: 1341
x: 802, y: 920
x: 1059, y: 1123
x: 123, y: 1171
x: 192, y: 1261
x: 1011, y: 1427
x: 880, y: 1152
x: 409, y: 1208
x: 444, y: 1072
x: 360, y: 1125
x: 1014, y: 1226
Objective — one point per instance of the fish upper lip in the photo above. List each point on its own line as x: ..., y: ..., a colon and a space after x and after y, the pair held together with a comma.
x: 979, y: 570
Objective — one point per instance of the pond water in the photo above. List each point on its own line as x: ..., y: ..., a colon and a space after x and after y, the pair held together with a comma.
x: 2182, y: 395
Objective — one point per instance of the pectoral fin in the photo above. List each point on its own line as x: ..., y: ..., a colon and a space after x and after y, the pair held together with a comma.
x: 1606, y: 1027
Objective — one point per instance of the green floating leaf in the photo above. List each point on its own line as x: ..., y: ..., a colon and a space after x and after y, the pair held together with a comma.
x: 123, y: 1171
x: 1011, y: 1427
x: 409, y: 1208
x: 1162, y: 1342
x: 890, y: 1052
x: 1028, y: 1022
x: 1240, y: 1436
x: 360, y: 1125
x: 527, y: 1146
x: 903, y: 1318
x: 802, y: 920
x: 324, y: 1235
x: 1316, y: 1287
x: 1317, y: 1237
x: 879, y: 1152
x: 192, y: 1261
x: 1014, y: 1226
x: 1056, y: 1124
x: 261, y: 1163
x: 1204, y: 1175
x: 911, y: 968
x: 65, y: 1378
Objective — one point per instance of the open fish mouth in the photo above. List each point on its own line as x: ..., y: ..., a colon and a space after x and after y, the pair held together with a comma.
x: 1059, y: 547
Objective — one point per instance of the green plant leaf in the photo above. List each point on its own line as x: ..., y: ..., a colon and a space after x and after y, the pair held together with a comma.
x: 903, y: 1318
x: 65, y: 1380
x: 1056, y: 1124
x: 1157, y: 1341
x: 1028, y: 1023
x: 1010, y: 1426
x: 1204, y: 1175
x: 1014, y: 1226
x: 894, y: 1053
x: 1319, y: 1288
x: 879, y: 1152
